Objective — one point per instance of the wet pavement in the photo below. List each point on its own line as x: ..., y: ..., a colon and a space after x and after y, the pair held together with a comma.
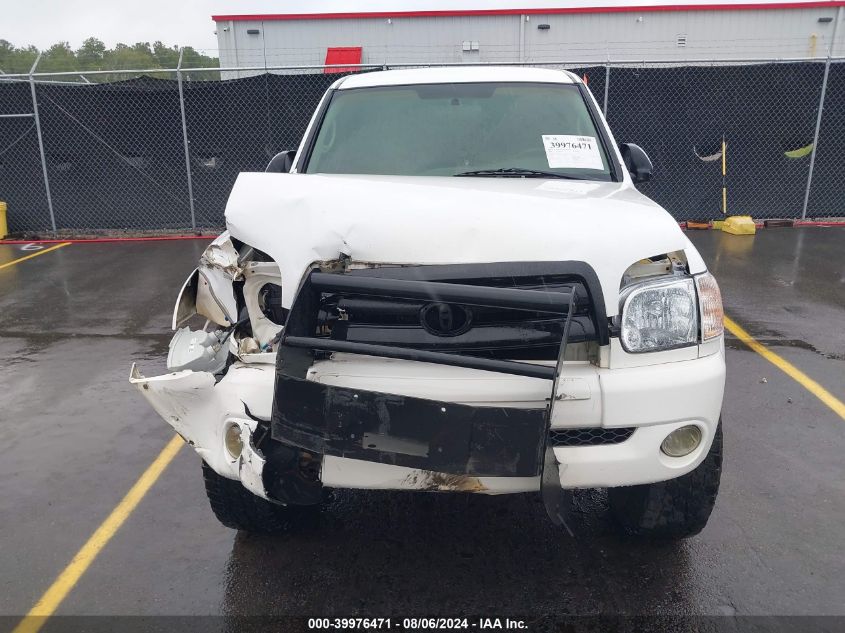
x: 75, y: 436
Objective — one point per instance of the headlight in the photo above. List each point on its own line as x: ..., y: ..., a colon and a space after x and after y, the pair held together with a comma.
x: 659, y: 315
x: 710, y: 306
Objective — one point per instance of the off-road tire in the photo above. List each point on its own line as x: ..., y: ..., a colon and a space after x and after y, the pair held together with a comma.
x: 674, y: 509
x: 239, y: 509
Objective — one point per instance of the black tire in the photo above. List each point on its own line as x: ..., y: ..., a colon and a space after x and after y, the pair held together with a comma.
x: 674, y: 509
x: 239, y: 509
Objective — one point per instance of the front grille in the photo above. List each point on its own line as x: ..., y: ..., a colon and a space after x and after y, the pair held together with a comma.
x: 589, y: 437
x: 493, y: 332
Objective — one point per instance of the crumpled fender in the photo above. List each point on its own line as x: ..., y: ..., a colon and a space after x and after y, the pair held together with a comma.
x: 208, y: 289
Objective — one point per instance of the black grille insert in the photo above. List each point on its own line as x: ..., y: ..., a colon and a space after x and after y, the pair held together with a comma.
x: 589, y: 437
x: 440, y: 322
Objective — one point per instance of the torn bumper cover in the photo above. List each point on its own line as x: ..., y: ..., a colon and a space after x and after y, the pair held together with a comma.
x: 201, y: 410
x: 442, y: 411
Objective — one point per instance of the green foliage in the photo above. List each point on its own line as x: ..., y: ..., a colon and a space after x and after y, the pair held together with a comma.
x: 93, y: 55
x: 16, y: 60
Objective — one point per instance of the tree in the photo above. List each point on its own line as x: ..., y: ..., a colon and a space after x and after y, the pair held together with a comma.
x: 58, y: 58
x: 7, y: 50
x: 91, y: 54
x: 94, y: 55
x: 16, y: 60
x: 166, y: 56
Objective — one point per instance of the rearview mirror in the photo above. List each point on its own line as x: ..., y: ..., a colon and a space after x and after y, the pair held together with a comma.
x: 637, y: 162
x: 282, y: 162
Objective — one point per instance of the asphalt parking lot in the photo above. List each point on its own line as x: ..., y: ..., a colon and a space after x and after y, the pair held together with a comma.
x: 75, y: 437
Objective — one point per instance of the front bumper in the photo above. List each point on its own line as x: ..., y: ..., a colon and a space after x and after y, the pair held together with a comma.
x: 654, y: 399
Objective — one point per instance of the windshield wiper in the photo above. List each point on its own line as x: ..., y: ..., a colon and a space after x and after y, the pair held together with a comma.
x: 516, y: 172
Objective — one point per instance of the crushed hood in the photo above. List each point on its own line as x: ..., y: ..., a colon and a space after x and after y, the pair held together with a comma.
x: 299, y: 219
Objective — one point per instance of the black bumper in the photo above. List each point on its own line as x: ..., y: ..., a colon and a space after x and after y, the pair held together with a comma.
x: 420, y: 433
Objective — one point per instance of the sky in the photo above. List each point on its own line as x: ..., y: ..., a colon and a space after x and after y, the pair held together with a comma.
x: 45, y: 22
x: 188, y: 22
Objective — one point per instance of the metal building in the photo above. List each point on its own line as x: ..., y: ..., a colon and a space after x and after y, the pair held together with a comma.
x: 571, y: 31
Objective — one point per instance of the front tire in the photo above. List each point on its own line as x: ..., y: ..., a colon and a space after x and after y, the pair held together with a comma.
x: 674, y: 509
x: 239, y: 509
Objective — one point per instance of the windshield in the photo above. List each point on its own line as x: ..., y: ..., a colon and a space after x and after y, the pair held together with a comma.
x: 509, y: 129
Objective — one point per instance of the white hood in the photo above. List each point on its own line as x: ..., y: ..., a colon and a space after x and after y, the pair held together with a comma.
x: 299, y: 219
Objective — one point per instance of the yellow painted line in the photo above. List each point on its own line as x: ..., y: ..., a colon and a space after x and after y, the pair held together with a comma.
x: 35, y: 254
x: 834, y: 403
x: 58, y: 591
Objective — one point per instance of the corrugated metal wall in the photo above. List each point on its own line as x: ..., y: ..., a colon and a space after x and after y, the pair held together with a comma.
x: 417, y: 40
x: 705, y: 35
x: 662, y: 35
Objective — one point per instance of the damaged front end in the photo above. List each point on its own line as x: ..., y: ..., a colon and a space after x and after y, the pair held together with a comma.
x: 236, y: 289
x: 434, y: 377
x: 520, y: 310
x: 227, y: 319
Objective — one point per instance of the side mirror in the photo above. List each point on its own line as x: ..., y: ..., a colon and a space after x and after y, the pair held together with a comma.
x: 637, y: 162
x: 282, y: 162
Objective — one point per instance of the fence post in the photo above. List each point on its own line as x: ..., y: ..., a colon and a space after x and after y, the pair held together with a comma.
x: 815, y: 140
x: 606, y: 85
x: 819, y: 116
x: 41, y: 142
x: 185, y: 142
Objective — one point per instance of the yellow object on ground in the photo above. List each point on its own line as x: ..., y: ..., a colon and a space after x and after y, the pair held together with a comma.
x: 4, y: 227
x: 739, y: 225
x: 718, y: 224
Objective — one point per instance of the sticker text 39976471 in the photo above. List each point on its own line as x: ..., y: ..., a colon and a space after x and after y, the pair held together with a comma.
x: 570, y: 151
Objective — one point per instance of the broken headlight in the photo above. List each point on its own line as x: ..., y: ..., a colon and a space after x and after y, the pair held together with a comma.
x: 659, y: 315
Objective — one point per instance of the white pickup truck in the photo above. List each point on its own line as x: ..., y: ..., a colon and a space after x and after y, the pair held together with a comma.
x: 452, y: 285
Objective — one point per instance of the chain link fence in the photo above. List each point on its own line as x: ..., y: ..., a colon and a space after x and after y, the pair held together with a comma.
x: 21, y: 175
x: 826, y: 194
x: 161, y: 153
x: 115, y: 154
x: 765, y: 114
x: 239, y: 125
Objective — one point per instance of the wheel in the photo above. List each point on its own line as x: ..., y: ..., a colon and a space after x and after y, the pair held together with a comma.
x: 239, y: 509
x: 674, y: 509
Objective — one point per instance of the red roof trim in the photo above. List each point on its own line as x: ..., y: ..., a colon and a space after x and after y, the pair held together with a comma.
x: 550, y: 11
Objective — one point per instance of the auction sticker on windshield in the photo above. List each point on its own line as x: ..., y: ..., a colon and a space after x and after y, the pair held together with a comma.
x: 567, y: 150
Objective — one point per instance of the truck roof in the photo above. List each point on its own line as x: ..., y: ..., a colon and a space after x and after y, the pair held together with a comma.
x: 456, y: 74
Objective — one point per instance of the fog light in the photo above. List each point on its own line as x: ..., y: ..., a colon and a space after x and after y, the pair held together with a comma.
x: 232, y: 440
x: 682, y: 441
